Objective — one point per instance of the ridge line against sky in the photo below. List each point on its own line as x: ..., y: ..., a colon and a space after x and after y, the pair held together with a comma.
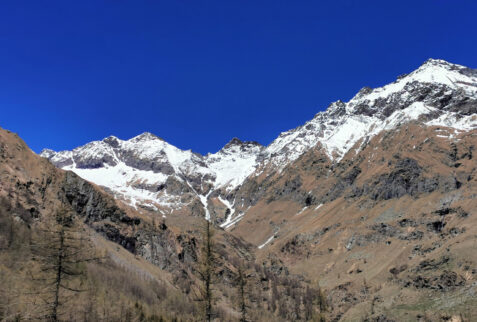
x: 253, y: 141
x: 199, y: 74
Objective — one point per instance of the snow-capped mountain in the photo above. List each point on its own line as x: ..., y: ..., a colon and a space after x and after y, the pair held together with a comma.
x: 147, y: 171
x: 438, y: 92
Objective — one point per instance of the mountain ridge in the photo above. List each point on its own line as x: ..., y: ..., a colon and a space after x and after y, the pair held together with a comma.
x: 438, y: 93
x: 363, y: 91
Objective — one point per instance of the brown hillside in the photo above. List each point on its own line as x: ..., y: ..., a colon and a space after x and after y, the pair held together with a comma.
x: 390, y: 230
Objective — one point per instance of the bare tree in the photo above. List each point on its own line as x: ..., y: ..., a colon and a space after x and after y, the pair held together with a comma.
x: 322, y: 303
x: 308, y: 302
x: 242, y: 282
x: 61, y: 253
x: 274, y: 298
x: 207, y: 264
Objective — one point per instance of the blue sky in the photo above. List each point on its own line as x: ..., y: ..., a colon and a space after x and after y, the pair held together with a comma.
x: 198, y: 73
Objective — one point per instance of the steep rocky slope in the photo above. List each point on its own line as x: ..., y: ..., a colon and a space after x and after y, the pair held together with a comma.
x: 390, y: 229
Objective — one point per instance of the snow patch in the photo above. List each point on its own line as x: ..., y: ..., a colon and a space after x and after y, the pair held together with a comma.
x: 268, y: 241
x: 234, y: 221
x: 205, y: 202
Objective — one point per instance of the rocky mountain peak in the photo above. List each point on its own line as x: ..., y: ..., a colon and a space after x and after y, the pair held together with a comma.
x: 438, y: 93
x: 441, y: 63
x: 47, y: 153
x: 236, y: 143
x: 112, y: 141
x: 146, y: 136
x: 471, y: 73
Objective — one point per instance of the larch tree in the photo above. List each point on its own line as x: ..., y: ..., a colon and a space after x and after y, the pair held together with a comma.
x: 242, y: 283
x: 206, y: 270
x: 62, y: 250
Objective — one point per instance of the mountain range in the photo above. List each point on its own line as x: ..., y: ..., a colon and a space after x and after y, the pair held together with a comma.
x: 367, y: 212
x: 147, y: 172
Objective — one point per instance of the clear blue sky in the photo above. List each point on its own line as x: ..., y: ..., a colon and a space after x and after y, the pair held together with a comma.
x: 198, y: 73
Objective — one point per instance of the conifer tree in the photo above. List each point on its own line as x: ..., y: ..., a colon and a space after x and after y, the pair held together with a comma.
x: 61, y: 254
x: 206, y: 270
x: 308, y: 302
x: 274, y: 298
x: 242, y: 281
x: 322, y: 303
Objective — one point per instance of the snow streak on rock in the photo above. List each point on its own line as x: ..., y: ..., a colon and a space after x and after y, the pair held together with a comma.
x: 265, y: 243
